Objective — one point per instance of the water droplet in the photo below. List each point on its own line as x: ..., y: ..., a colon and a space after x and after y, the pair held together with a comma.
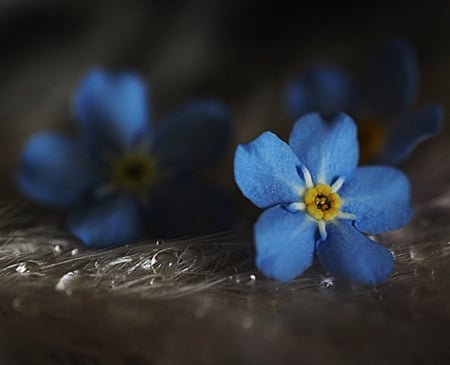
x: 164, y: 263
x: 22, y: 268
x: 74, y: 252
x: 17, y: 302
x: 416, y: 255
x: 65, y: 282
x: 247, y: 322
x: 327, y: 282
x: 57, y: 249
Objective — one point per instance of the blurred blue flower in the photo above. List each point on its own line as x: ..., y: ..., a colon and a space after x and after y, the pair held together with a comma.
x: 123, y: 176
x: 319, y: 203
x: 388, y: 131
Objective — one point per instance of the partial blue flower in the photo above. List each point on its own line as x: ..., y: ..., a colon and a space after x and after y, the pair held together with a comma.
x: 319, y: 203
x: 388, y: 127
x: 121, y: 173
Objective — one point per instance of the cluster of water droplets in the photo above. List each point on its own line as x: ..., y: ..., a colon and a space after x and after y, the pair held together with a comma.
x: 45, y: 257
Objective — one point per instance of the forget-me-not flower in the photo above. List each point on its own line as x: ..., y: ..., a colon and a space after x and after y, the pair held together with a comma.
x: 319, y: 203
x: 388, y: 130
x: 122, y: 175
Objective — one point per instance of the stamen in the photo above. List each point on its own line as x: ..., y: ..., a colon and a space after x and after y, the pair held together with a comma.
x: 337, y: 184
x: 297, y: 206
x: 344, y: 215
x: 322, y: 229
x: 321, y: 203
x: 307, y: 177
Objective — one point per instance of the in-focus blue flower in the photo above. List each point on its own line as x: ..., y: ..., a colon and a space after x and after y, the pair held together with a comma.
x: 388, y: 130
x: 319, y: 203
x: 122, y: 176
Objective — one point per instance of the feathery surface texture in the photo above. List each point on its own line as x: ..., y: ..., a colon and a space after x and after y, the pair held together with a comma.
x: 200, y: 300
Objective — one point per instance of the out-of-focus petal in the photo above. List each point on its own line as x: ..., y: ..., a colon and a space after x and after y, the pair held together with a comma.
x: 379, y: 196
x: 111, y: 108
x: 266, y: 171
x: 412, y: 130
x: 107, y: 223
x: 193, y: 137
x: 285, y: 243
x: 322, y: 89
x: 328, y: 150
x: 348, y: 254
x: 56, y: 170
x: 393, y: 78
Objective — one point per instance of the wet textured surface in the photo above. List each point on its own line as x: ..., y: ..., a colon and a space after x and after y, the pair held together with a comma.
x: 200, y: 300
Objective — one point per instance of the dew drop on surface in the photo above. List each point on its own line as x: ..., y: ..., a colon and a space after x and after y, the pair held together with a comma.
x: 247, y: 322
x: 413, y: 254
x: 65, y: 282
x: 22, y: 268
x: 327, y: 282
x: 17, y: 302
x: 164, y: 263
x: 252, y: 280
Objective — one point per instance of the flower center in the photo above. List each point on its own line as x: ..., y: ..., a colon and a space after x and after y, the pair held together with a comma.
x: 134, y: 172
x: 371, y: 137
x: 321, y: 202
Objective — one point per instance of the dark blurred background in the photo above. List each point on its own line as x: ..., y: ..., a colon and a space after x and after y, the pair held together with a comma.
x: 240, y: 51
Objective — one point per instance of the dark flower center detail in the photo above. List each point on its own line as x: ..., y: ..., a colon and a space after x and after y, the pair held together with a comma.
x: 134, y: 172
x: 322, y: 202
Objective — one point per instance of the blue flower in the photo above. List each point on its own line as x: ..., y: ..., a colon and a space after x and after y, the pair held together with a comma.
x: 319, y: 203
x: 388, y: 130
x: 121, y: 175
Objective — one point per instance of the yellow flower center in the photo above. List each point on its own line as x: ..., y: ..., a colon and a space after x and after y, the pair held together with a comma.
x: 371, y: 135
x: 134, y: 172
x: 321, y: 203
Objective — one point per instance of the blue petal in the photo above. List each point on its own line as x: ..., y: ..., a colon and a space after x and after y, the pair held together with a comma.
x: 193, y: 137
x: 379, y: 197
x: 189, y: 207
x: 266, y: 171
x: 328, y: 150
x: 393, y: 78
x: 111, y: 108
x: 407, y: 134
x: 55, y: 170
x: 284, y: 243
x: 107, y: 223
x: 322, y: 89
x: 348, y: 254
